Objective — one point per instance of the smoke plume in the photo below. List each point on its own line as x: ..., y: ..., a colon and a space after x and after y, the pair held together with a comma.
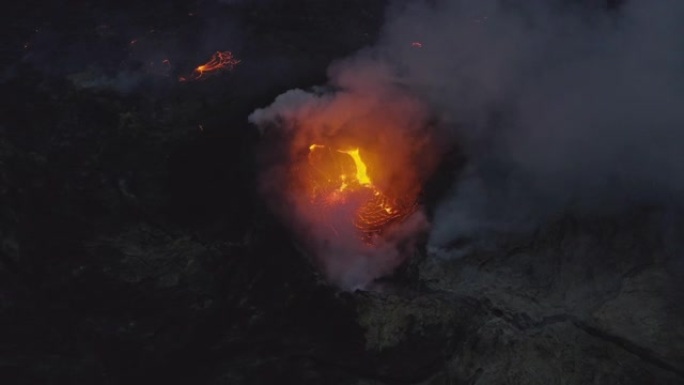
x: 361, y: 108
x: 559, y: 106
x: 556, y: 105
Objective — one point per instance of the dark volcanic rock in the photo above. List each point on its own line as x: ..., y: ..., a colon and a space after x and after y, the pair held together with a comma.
x: 134, y: 248
x: 585, y: 300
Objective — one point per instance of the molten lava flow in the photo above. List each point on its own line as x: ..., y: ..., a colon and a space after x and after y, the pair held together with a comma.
x: 339, y: 176
x: 361, y: 174
x: 221, y: 60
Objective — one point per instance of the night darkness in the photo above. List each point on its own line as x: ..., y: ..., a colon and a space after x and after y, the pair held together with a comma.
x: 522, y: 219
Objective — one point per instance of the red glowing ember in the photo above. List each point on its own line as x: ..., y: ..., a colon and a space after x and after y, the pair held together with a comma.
x: 220, y: 61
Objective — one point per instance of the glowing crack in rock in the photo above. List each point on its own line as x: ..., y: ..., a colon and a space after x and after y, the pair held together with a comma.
x: 220, y: 61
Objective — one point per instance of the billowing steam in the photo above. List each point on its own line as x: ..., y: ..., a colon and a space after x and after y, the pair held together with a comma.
x: 557, y: 105
x: 364, y: 114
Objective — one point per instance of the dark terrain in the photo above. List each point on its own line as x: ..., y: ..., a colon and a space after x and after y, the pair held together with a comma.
x: 135, y: 249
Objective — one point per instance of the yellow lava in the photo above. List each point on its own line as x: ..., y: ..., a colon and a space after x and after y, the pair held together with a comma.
x: 361, y: 170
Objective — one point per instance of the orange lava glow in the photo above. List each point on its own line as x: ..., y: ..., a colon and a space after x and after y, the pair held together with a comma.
x: 220, y: 61
x: 338, y: 176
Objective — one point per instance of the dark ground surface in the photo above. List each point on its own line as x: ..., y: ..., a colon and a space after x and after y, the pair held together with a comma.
x: 135, y: 248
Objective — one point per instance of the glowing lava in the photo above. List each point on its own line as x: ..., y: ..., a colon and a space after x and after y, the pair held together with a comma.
x: 339, y: 177
x: 361, y: 173
x: 221, y: 60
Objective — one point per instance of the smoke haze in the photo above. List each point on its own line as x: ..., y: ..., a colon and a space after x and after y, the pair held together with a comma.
x: 557, y: 106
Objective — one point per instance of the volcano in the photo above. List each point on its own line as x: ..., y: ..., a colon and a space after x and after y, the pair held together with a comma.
x: 358, y: 192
